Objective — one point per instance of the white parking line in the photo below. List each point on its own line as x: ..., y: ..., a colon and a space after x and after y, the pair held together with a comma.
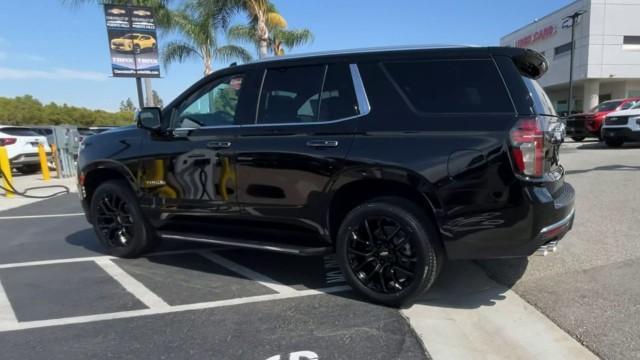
x: 248, y: 273
x: 148, y: 297
x: 40, y: 216
x: 171, y: 309
x: 53, y: 262
x: 7, y: 315
x: 92, y: 258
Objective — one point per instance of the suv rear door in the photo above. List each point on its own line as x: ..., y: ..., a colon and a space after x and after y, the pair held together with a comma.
x: 303, y: 130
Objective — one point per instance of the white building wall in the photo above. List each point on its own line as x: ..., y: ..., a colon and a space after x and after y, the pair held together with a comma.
x: 603, y: 65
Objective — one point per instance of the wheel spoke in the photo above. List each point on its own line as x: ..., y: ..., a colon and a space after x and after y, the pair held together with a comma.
x: 393, y: 233
x: 402, y: 270
x: 367, y: 279
x: 369, y: 233
x: 366, y: 261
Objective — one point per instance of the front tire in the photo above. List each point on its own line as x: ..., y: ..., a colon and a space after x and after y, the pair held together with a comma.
x: 578, y: 138
x: 119, y: 222
x: 389, y: 251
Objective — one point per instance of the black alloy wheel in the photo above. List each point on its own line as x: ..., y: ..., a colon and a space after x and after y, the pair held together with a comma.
x: 119, y: 222
x: 389, y: 251
x: 382, y: 255
x: 114, y: 220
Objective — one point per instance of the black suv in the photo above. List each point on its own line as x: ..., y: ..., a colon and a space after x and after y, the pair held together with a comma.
x: 393, y: 159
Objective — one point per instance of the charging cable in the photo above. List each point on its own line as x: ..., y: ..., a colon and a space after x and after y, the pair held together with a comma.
x: 12, y: 189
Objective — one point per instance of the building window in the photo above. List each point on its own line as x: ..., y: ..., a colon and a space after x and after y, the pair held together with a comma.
x: 562, y: 50
x: 631, y: 43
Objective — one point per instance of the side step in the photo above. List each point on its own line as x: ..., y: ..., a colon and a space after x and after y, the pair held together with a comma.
x: 248, y: 244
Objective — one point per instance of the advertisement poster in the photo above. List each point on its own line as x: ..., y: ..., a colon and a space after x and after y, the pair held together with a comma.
x: 133, y: 41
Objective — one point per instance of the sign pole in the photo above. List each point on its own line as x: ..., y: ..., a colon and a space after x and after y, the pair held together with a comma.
x: 140, y: 96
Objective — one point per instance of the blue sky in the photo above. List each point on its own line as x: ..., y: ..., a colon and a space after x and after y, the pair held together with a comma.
x: 58, y: 53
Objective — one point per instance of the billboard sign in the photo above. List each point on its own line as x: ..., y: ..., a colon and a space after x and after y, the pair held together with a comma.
x: 133, y: 43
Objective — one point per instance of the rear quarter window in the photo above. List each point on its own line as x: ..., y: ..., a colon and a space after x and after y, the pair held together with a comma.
x: 450, y: 86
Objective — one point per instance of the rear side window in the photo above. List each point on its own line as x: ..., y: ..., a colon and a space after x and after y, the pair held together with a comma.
x: 16, y: 131
x: 338, y: 100
x: 451, y: 86
x: 541, y: 101
x: 290, y: 95
x: 307, y: 94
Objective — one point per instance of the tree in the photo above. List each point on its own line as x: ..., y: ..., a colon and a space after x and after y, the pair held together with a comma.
x: 26, y: 110
x: 157, y: 100
x: 198, y: 22
x: 278, y: 38
x: 127, y: 105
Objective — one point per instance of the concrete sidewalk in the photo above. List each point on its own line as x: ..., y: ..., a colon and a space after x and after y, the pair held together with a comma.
x: 22, y: 182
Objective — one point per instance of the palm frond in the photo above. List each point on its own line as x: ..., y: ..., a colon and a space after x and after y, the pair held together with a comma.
x: 178, y: 51
x: 293, y: 38
x: 232, y: 52
x: 245, y: 33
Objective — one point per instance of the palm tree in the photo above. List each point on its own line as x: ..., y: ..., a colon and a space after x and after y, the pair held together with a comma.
x: 277, y: 35
x: 198, y: 22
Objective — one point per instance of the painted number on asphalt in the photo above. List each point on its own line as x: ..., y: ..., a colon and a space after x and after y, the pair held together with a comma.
x: 298, y: 355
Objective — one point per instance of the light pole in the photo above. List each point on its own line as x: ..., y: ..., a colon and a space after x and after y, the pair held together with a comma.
x: 574, y: 19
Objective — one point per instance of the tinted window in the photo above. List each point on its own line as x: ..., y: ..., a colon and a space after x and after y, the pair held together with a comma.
x: 338, y: 99
x: 290, y: 95
x: 213, y: 107
x: 541, y: 101
x: 16, y: 131
x: 628, y: 105
x: 453, y: 86
x: 607, y: 106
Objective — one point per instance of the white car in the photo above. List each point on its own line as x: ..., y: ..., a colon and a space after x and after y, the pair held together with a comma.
x: 22, y: 147
x: 621, y: 126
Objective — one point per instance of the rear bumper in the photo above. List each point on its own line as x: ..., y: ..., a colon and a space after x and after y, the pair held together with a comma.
x: 26, y: 159
x: 519, y: 231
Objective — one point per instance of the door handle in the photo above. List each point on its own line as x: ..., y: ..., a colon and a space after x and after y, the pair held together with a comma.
x: 218, y: 144
x: 322, y: 143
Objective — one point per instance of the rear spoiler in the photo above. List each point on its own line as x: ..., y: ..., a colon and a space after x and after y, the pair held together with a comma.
x: 530, y: 63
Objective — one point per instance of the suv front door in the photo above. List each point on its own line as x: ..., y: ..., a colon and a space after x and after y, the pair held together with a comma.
x: 191, y: 172
x: 304, y: 128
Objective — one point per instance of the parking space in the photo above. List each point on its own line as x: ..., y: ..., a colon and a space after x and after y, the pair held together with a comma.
x: 61, y: 297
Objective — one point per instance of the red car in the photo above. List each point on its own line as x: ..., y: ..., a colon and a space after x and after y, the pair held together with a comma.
x: 581, y: 126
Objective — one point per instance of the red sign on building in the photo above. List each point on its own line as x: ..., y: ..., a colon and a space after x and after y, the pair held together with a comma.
x: 539, y: 35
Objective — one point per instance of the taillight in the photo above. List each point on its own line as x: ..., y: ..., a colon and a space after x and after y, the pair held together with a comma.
x: 527, y: 146
x: 7, y: 141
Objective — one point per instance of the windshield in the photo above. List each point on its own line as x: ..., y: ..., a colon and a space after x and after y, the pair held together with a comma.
x: 607, y: 106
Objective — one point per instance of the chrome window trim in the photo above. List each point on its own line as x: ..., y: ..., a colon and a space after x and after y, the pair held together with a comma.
x: 361, y: 97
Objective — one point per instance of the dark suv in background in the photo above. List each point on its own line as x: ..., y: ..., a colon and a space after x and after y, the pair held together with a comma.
x: 394, y: 159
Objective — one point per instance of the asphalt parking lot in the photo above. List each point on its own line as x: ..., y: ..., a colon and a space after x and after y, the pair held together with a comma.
x: 70, y: 301
x: 62, y: 298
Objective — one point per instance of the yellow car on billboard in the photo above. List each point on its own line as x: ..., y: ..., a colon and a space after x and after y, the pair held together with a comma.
x: 134, y: 42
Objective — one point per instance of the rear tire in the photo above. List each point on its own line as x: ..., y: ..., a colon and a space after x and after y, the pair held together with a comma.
x: 578, y: 138
x: 119, y: 222
x: 389, y: 251
x: 614, y: 143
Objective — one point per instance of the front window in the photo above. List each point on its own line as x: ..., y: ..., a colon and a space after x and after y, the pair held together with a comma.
x: 213, y: 107
x: 607, y: 106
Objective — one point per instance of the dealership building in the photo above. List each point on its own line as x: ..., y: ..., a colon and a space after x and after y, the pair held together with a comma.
x: 607, y: 51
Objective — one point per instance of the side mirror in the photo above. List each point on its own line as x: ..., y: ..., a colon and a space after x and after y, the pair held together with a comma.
x: 149, y: 118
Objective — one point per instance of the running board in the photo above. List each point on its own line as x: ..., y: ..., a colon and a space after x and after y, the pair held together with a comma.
x: 248, y: 244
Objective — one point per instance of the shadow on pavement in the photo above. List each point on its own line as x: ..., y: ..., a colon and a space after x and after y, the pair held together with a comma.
x: 472, y: 284
x: 461, y: 284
